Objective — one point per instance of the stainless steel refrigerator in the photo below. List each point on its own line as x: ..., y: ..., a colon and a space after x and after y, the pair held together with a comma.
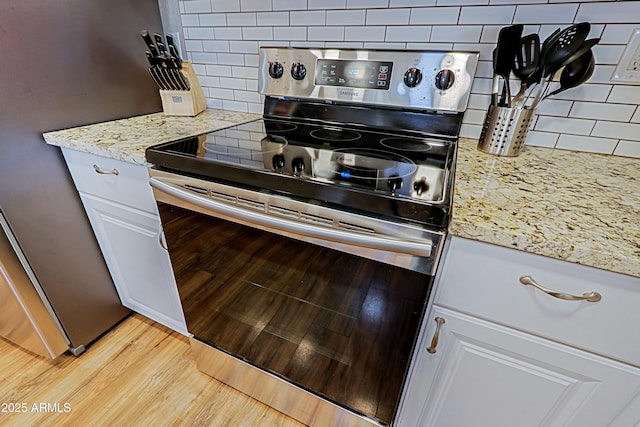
x: 65, y: 63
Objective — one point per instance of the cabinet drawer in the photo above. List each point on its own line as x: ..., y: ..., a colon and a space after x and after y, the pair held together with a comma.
x: 129, y: 187
x: 484, y: 280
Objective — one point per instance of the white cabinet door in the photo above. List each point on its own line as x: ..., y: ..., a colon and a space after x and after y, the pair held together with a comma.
x: 483, y: 374
x: 139, y: 265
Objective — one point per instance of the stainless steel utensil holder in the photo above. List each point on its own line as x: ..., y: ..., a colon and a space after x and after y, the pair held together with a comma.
x: 504, y: 130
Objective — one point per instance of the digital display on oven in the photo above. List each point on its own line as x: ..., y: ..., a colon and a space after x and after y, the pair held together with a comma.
x: 354, y: 73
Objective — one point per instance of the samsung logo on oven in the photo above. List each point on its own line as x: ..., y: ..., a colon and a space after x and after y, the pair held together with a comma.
x: 345, y: 92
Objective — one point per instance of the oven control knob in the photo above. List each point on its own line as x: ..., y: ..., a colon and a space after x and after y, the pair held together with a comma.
x: 445, y: 79
x: 420, y: 187
x: 412, y: 77
x: 394, y: 183
x: 298, y: 71
x: 298, y: 165
x: 275, y: 69
x: 278, y: 161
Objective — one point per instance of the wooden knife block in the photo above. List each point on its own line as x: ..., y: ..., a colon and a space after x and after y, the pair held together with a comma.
x: 184, y: 102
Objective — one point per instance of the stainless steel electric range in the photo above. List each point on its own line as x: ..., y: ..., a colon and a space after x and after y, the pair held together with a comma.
x: 305, y: 243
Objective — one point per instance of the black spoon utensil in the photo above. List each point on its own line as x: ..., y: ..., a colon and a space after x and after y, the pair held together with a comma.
x: 575, y: 72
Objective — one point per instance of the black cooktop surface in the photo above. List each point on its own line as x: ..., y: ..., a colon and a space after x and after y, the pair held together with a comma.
x: 387, y: 173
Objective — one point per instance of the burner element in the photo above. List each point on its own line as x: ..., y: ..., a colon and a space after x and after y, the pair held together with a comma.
x: 361, y: 162
x: 405, y: 144
x: 275, y: 126
x: 335, y: 134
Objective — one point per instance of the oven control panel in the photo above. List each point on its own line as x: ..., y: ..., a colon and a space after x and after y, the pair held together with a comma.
x: 433, y: 80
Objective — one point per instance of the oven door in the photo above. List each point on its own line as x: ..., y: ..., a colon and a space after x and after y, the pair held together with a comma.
x: 324, y: 299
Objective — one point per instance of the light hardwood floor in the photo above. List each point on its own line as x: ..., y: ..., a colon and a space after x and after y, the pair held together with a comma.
x: 139, y: 374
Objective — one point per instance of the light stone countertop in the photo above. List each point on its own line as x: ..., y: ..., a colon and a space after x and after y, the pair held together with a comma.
x: 127, y: 139
x: 578, y: 207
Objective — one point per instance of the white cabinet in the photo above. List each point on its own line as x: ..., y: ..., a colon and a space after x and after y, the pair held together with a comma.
x: 499, y: 361
x: 125, y: 220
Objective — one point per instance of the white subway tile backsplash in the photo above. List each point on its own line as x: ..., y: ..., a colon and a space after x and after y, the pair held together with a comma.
x: 326, y: 33
x: 290, y: 33
x: 273, y: 18
x: 630, y: 131
x: 246, y: 96
x: 204, y: 57
x: 388, y: 16
x: 607, y: 54
x: 222, y: 93
x: 225, y: 5
x: 461, y: 2
x: 617, y: 33
x: 244, y: 72
x: 215, y: 45
x: 251, y: 60
x: 213, y: 19
x: 315, y: 17
x: 241, y: 19
x: 586, y: 92
x: 434, y: 15
x: 257, y: 33
x: 360, y: 4
x: 470, y: 131
x: 228, y: 33
x: 218, y: 70
x: 554, y: 107
x: 327, y: 4
x: 411, y: 3
x: 602, y: 111
x: 235, y: 105
x: 541, y: 139
x: 200, y: 33
x: 230, y: 59
x: 197, y: 6
x: 193, y: 45
x: 346, y: 17
x: 231, y: 83
x: 254, y: 5
x: 585, y: 143
x: 462, y: 34
x: 564, y: 125
x: 414, y: 32
x: 474, y: 117
x: 243, y: 47
x: 289, y: 4
x: 628, y: 149
x: 625, y: 95
x: 190, y: 20
x: 549, y: 13
x: 222, y: 38
x: 609, y: 12
x: 366, y: 33
x: 487, y: 15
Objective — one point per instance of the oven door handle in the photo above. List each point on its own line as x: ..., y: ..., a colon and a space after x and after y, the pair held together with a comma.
x: 422, y: 248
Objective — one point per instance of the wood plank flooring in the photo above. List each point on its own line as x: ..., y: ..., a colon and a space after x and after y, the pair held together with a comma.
x: 138, y: 374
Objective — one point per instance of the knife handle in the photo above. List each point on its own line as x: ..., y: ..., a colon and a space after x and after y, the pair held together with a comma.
x: 147, y: 39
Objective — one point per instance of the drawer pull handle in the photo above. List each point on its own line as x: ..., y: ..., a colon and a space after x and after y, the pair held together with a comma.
x: 587, y: 296
x: 436, y: 336
x: 101, y: 171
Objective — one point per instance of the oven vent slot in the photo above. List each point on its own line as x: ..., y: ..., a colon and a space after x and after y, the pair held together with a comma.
x: 250, y: 204
x: 316, y: 219
x: 354, y: 227
x: 195, y: 189
x: 284, y: 211
x: 222, y: 196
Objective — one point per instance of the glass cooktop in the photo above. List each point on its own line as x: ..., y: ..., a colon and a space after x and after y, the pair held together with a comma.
x: 288, y: 156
